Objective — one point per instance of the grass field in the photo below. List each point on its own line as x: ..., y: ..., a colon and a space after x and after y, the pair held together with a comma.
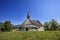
x: 36, y: 35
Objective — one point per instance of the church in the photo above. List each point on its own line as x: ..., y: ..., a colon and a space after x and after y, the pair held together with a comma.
x: 31, y: 25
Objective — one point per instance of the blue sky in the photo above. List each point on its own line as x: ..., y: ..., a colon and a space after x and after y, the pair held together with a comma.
x: 42, y: 10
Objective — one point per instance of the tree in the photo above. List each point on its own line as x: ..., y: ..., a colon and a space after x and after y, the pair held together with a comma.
x: 58, y: 27
x: 53, y: 24
x: 7, y: 25
x: 46, y: 25
x: 3, y: 29
x: 1, y: 25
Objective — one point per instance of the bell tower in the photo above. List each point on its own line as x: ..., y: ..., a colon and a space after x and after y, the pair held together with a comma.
x: 28, y: 16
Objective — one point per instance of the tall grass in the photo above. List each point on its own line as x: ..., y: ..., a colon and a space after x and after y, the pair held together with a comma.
x: 30, y: 35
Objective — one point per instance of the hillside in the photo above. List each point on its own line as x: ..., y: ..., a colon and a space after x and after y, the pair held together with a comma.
x: 36, y: 35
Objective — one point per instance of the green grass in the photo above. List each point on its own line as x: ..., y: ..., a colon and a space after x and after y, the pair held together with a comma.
x: 30, y: 35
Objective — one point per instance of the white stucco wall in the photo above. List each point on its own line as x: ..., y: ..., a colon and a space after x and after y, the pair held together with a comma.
x: 41, y: 29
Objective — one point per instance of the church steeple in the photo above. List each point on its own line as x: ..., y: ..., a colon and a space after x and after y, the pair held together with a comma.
x: 28, y: 16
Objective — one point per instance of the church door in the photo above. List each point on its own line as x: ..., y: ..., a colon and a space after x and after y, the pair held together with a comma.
x: 26, y: 29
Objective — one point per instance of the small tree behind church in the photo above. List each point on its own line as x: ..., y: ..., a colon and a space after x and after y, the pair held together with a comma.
x: 46, y: 25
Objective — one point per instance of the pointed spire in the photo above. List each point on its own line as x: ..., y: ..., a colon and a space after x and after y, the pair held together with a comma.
x: 28, y: 16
